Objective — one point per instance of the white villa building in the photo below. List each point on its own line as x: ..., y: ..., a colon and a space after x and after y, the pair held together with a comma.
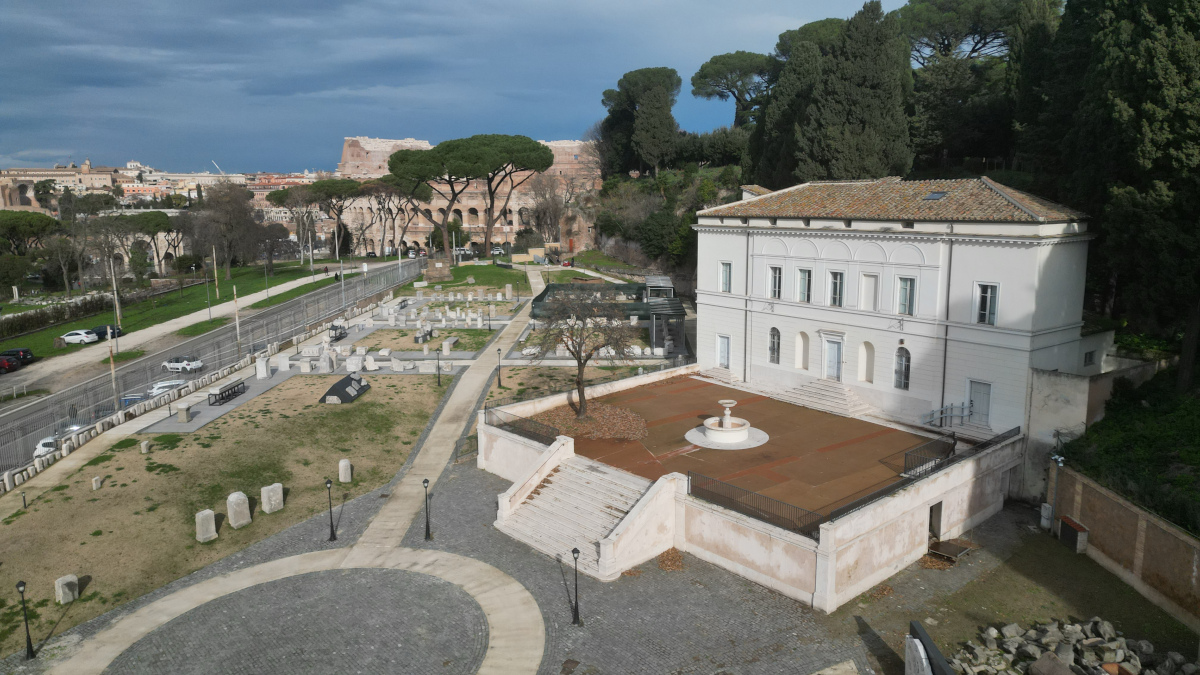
x: 902, y: 300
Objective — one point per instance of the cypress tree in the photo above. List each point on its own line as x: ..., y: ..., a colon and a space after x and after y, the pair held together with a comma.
x: 857, y: 126
x: 654, y: 128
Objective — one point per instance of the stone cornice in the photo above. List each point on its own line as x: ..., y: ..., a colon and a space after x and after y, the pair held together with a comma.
x: 904, y: 236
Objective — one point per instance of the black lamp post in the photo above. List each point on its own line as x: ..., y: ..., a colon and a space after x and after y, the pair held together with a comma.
x: 575, y: 555
x: 29, y: 653
x: 329, y: 489
x: 499, y: 374
x: 428, y: 534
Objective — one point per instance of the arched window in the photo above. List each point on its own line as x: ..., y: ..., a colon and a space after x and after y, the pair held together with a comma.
x: 802, y: 350
x: 866, y: 362
x: 774, y: 347
x: 903, y: 367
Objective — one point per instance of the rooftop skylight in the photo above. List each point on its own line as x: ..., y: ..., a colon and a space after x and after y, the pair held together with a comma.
x: 934, y: 195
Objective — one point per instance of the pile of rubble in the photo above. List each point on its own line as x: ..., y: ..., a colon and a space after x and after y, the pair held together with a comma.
x: 1089, y: 648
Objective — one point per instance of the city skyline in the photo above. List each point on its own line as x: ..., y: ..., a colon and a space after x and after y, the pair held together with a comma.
x: 178, y: 87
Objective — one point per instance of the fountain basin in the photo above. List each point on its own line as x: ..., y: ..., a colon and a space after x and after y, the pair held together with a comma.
x: 726, y: 430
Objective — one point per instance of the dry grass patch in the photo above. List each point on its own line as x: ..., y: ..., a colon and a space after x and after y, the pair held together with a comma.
x: 404, y: 340
x: 138, y: 532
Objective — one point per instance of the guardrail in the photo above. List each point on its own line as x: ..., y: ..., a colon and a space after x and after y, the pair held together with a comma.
x: 80, y: 407
x: 521, y: 426
x: 757, y: 506
x: 927, y: 456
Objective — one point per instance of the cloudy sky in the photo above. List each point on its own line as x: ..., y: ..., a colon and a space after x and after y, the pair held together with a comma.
x: 275, y: 86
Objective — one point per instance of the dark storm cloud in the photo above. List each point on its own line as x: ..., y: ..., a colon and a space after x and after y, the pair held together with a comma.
x: 276, y: 85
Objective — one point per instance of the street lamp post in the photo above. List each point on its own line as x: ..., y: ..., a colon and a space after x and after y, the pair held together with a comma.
x: 499, y: 374
x: 428, y: 534
x: 575, y: 555
x: 207, y: 296
x: 329, y: 489
x: 29, y: 653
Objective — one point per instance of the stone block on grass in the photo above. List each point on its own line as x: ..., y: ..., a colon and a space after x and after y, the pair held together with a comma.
x: 66, y: 589
x: 272, y: 498
x: 345, y: 472
x: 206, y: 526
x: 238, y: 508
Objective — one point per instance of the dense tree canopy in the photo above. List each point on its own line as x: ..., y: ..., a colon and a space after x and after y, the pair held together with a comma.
x: 21, y: 231
x: 741, y: 76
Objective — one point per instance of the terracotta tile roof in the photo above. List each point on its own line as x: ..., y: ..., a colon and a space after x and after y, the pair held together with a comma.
x: 969, y: 199
x: 756, y: 190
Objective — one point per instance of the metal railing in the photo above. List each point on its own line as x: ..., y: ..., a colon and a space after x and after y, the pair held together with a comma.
x: 927, y: 456
x: 995, y: 440
x: 673, y: 362
x: 83, y: 405
x: 465, y: 447
x: 939, y: 417
x: 521, y: 426
x: 757, y: 506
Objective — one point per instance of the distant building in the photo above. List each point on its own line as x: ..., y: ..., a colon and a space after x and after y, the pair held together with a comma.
x: 79, y: 178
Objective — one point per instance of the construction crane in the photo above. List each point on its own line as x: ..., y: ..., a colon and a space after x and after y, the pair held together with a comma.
x: 216, y: 165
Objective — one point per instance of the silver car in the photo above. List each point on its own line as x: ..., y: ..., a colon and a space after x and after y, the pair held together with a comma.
x: 80, y: 337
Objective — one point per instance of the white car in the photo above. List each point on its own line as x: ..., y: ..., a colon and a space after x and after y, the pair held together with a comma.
x: 412, y: 253
x: 496, y: 250
x: 183, y: 364
x: 160, y: 388
x: 46, y: 446
x: 80, y: 337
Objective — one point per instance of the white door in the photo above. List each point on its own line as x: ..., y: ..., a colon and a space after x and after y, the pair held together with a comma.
x: 833, y: 360
x: 869, y: 293
x: 981, y: 402
x: 723, y: 351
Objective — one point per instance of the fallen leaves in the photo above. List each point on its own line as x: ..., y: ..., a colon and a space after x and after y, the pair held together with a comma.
x: 602, y: 421
x: 670, y: 560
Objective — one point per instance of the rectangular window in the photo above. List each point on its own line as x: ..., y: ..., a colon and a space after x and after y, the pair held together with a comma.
x: 776, y: 282
x: 726, y: 277
x: 837, y: 282
x: 1089, y: 358
x: 908, y: 296
x: 987, y: 304
x: 804, y: 285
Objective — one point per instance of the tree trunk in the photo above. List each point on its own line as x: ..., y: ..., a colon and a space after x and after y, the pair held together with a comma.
x: 66, y: 269
x: 1187, y: 356
x: 581, y: 412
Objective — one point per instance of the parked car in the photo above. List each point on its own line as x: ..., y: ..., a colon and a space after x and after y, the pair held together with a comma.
x: 568, y: 263
x: 371, y: 254
x: 25, y: 356
x: 8, y: 363
x: 46, y: 446
x: 160, y: 388
x: 80, y: 337
x: 132, y: 397
x: 412, y: 253
x: 423, y: 253
x: 496, y: 250
x: 102, y: 332
x: 183, y: 364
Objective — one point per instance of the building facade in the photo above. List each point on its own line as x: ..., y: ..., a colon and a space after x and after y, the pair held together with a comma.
x: 932, y: 302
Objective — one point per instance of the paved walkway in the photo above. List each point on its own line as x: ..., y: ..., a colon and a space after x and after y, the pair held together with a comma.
x: 91, y: 354
x: 516, y: 632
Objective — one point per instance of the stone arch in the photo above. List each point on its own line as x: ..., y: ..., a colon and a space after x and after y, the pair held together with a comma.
x: 804, y: 248
x: 774, y: 247
x: 802, y: 350
x: 457, y: 215
x: 473, y: 216
x: 836, y: 251
x: 909, y: 254
x: 870, y: 252
x: 866, y: 362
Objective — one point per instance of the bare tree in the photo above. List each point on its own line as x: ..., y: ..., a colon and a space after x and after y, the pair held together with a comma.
x: 584, y: 319
x: 60, y: 250
x: 549, y: 207
x: 228, y: 217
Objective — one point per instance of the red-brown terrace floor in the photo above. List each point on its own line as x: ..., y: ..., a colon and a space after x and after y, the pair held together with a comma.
x: 814, y: 460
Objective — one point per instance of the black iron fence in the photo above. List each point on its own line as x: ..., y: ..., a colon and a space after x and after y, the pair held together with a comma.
x: 521, y: 426
x: 761, y: 507
x: 929, y: 455
x: 673, y: 362
x: 82, y: 405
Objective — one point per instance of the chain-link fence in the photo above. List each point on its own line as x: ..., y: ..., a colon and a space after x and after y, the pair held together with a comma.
x: 82, y: 405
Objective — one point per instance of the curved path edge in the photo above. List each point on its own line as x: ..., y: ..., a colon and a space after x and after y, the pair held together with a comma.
x: 516, y: 634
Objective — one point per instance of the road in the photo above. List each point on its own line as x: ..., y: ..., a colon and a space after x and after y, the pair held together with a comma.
x: 63, y: 371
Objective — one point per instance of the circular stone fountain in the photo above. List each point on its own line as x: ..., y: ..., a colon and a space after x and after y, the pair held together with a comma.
x: 726, y: 432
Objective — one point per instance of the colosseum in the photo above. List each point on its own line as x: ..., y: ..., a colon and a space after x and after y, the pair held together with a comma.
x: 366, y: 158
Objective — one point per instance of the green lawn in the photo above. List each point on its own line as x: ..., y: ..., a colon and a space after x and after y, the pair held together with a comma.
x: 485, y: 276
x: 202, y: 327
x: 594, y: 258
x: 166, y: 307
x: 128, y: 355
x: 277, y: 298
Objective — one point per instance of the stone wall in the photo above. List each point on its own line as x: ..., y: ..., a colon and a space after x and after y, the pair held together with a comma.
x: 1160, y: 560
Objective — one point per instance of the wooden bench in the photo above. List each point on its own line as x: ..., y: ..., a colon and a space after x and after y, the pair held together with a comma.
x: 219, y: 395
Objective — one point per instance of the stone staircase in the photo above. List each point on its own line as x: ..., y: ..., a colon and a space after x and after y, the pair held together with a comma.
x: 577, y: 505
x: 828, y: 396
x: 720, y: 375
